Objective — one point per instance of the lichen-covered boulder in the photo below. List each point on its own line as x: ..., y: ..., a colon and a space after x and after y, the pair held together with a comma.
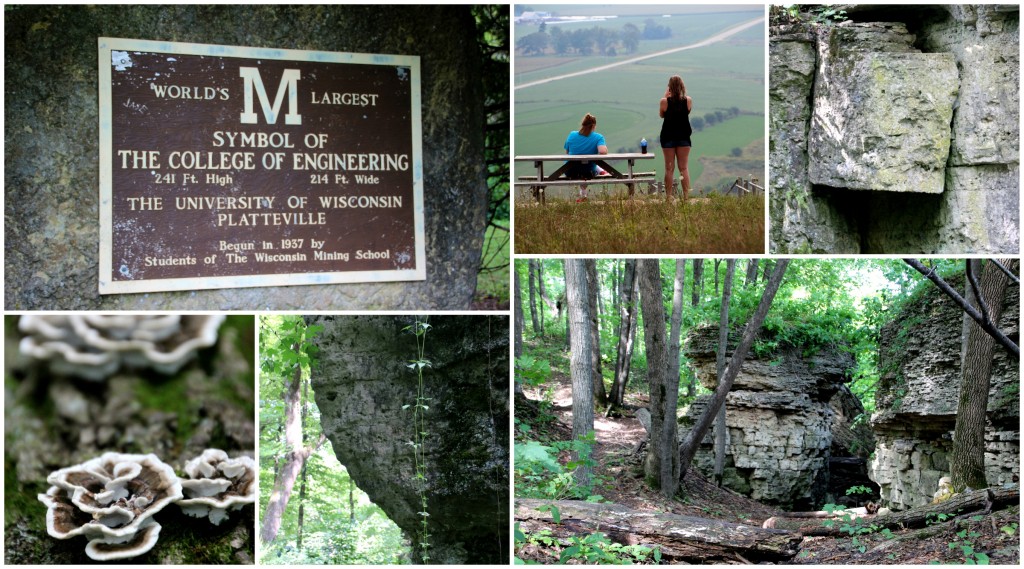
x: 365, y: 389
x: 881, y: 118
x: 919, y: 168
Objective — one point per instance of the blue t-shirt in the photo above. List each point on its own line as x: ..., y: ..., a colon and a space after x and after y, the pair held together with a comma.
x: 576, y: 143
x: 579, y: 144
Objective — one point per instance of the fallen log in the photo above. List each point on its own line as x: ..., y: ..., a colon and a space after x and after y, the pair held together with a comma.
x: 959, y: 504
x: 680, y: 538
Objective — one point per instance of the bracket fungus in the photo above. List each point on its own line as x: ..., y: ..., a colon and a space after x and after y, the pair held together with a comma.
x: 111, y: 500
x: 217, y: 484
x: 94, y: 346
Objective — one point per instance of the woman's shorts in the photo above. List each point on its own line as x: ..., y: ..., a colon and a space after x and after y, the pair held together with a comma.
x: 678, y: 143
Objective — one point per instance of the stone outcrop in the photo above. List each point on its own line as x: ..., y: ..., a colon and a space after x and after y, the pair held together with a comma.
x: 780, y: 420
x: 51, y: 155
x: 917, y: 397
x: 810, y: 222
x: 362, y: 384
x: 881, y: 117
x: 896, y: 132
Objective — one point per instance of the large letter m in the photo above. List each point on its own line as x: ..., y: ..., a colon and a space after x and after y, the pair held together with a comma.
x: 289, y: 81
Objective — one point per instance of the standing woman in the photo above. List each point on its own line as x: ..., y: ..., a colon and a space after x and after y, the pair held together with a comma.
x: 675, y: 134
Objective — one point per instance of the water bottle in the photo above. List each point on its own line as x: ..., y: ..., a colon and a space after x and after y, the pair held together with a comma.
x: 643, y: 146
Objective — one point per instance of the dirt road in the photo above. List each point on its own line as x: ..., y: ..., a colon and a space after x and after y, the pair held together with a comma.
x: 713, y: 39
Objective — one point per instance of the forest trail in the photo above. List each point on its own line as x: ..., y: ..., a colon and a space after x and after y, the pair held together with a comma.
x: 621, y: 468
x: 621, y: 481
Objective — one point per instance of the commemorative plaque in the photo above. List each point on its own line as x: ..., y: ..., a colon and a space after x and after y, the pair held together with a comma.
x: 227, y: 166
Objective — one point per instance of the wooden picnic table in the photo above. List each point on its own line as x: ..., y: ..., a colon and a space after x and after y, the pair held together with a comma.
x: 629, y: 177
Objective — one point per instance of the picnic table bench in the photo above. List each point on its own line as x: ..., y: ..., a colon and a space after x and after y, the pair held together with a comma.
x: 540, y: 181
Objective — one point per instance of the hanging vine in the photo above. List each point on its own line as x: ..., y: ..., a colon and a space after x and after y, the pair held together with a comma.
x: 420, y: 433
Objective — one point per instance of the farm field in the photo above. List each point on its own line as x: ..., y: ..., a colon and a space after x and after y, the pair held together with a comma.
x: 724, y: 76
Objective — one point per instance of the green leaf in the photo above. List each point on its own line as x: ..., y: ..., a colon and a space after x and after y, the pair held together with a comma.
x: 568, y: 553
x: 520, y: 536
x: 556, y: 516
x: 982, y: 558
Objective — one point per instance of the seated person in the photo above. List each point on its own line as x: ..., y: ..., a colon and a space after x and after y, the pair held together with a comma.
x: 585, y: 141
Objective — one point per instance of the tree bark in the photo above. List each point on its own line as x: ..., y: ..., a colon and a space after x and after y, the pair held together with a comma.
x: 751, y: 276
x: 680, y: 538
x: 689, y: 446
x: 579, y: 363
x: 562, y: 305
x: 698, y: 280
x: 351, y: 501
x: 302, y: 505
x: 627, y: 319
x: 540, y: 289
x: 967, y: 460
x: 959, y: 505
x: 723, y: 343
x: 520, y: 323
x: 660, y: 466
x: 676, y: 323
x: 294, y: 459
x: 718, y: 263
x: 533, y: 300
x: 593, y: 288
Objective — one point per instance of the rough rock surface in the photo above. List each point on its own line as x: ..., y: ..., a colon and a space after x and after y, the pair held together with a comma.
x: 861, y: 140
x: 881, y: 118
x: 779, y: 418
x: 51, y: 152
x: 363, y: 382
x: 917, y: 398
x: 808, y: 222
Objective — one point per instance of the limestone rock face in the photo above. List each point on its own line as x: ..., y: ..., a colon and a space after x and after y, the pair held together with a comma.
x: 51, y: 171
x: 779, y: 418
x: 881, y: 118
x: 917, y: 398
x: 799, y: 217
x: 929, y: 121
x: 363, y: 382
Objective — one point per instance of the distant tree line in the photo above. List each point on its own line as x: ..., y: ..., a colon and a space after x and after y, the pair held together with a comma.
x: 698, y: 123
x: 590, y: 41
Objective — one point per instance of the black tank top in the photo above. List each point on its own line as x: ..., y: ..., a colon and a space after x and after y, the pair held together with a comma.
x: 676, y: 125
